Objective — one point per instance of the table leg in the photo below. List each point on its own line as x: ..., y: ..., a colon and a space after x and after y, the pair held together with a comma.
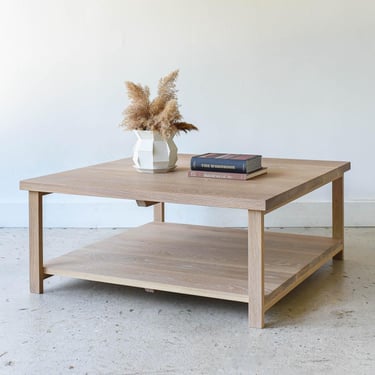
x: 159, y: 214
x: 256, y: 268
x: 338, y: 213
x: 36, y: 241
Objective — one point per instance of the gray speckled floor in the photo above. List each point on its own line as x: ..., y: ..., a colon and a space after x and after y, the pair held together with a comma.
x: 326, y: 325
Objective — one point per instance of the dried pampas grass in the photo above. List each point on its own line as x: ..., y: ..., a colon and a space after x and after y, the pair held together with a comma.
x: 161, y: 114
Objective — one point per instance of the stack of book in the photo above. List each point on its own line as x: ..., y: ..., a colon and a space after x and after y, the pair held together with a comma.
x: 226, y: 166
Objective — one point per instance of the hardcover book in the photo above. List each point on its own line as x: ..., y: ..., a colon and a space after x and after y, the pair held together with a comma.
x: 227, y: 175
x: 233, y: 163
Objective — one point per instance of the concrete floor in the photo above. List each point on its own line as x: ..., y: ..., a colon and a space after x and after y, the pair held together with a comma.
x: 326, y: 325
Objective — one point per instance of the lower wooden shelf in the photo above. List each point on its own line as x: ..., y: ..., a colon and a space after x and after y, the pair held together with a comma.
x: 196, y: 260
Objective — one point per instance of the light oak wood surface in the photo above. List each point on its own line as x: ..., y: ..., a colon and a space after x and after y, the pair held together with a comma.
x: 285, y: 181
x: 338, y: 213
x: 256, y: 270
x: 198, y: 260
x: 252, y: 266
x: 36, y: 241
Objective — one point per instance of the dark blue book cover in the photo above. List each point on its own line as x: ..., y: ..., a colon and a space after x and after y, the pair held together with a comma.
x: 220, y: 162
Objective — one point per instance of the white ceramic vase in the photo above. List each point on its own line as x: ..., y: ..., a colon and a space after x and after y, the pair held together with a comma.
x: 153, y: 153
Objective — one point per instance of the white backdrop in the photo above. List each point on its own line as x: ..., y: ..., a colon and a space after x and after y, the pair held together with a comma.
x: 280, y: 78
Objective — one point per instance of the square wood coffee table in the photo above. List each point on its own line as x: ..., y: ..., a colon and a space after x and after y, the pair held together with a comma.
x: 251, y: 266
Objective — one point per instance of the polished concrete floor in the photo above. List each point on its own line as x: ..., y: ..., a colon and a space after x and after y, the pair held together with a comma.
x: 325, y: 326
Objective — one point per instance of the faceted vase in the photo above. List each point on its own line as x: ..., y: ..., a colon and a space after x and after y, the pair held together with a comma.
x: 153, y: 153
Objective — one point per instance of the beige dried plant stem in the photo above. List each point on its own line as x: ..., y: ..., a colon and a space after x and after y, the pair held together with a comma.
x: 161, y: 114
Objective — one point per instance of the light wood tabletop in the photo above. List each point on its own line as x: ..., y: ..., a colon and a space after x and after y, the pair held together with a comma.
x: 286, y: 180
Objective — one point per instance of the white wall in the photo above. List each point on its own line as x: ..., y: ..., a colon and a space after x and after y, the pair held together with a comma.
x: 281, y: 78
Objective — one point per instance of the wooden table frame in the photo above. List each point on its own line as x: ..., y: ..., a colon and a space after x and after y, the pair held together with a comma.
x: 318, y: 250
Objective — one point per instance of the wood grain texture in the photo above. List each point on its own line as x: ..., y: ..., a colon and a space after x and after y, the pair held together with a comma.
x: 159, y: 212
x: 36, y: 242
x: 285, y: 181
x: 249, y: 266
x: 305, y: 270
x: 256, y: 268
x: 196, y: 260
x: 338, y: 214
